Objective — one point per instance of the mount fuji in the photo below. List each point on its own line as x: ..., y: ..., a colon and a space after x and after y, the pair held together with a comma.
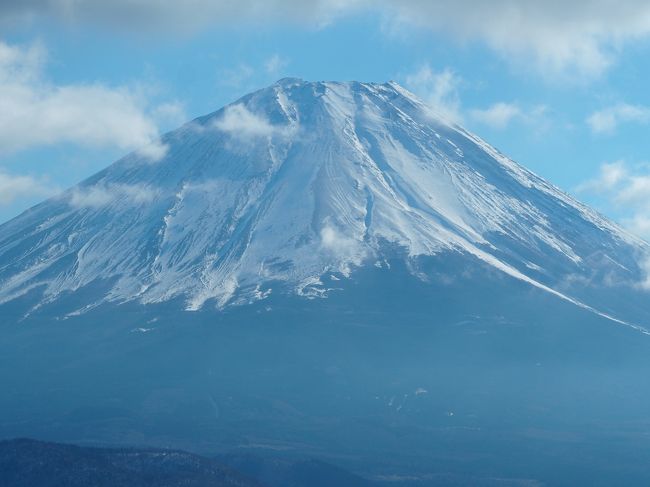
x: 328, y: 268
x: 301, y: 181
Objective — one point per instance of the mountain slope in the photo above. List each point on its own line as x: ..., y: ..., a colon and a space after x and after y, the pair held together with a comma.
x: 481, y: 380
x: 302, y: 180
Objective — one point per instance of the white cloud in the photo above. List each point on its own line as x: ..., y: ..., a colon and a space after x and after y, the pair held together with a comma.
x: 240, y: 122
x: 639, y: 224
x: 637, y: 191
x: 645, y: 266
x: 610, y: 175
x: 439, y: 89
x: 35, y: 112
x: 21, y: 64
x: 338, y: 243
x: 498, y: 115
x: 275, y: 64
x: 170, y: 114
x: 14, y: 187
x: 237, y: 76
x: 331, y: 239
x: 153, y: 151
x: 175, y: 16
x: 606, y: 121
x: 242, y: 75
x: 581, y: 36
x: 100, y: 195
x: 627, y: 189
x: 557, y: 37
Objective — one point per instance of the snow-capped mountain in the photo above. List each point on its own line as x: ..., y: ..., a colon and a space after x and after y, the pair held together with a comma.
x: 301, y: 181
x: 371, y: 284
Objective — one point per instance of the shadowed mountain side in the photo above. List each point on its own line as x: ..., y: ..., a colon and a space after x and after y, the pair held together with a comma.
x: 391, y: 376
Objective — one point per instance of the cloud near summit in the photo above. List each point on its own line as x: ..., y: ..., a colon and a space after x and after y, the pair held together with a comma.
x: 582, y: 36
x: 240, y: 122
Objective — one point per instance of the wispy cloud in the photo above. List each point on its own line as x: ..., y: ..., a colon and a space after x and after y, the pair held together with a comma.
x: 626, y: 188
x: 337, y: 243
x: 275, y: 65
x: 607, y: 120
x: 582, y: 37
x: 237, y: 76
x: 439, y: 89
x: 501, y: 115
x: 14, y: 187
x: 645, y: 267
x: 171, y: 16
x: 498, y: 115
x: 170, y: 114
x: 239, y: 121
x: 100, y: 195
x: 558, y: 39
x: 34, y: 112
x: 609, y: 177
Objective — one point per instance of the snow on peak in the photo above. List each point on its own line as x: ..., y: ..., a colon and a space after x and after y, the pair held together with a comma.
x: 295, y: 181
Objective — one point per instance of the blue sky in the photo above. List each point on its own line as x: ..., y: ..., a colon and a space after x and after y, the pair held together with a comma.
x: 562, y: 90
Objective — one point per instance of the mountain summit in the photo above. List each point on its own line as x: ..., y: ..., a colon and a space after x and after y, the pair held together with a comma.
x: 301, y: 182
